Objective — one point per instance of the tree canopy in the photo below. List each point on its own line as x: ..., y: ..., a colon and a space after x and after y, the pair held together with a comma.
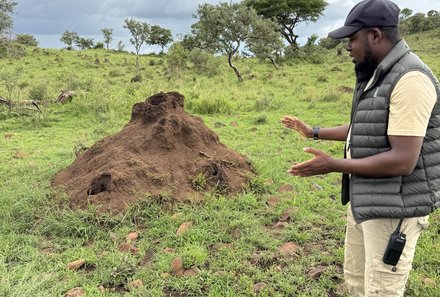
x: 418, y: 22
x: 69, y: 38
x: 289, y: 13
x: 160, y: 36
x: 225, y: 28
x: 108, y: 36
x: 140, y: 33
x: 6, y: 9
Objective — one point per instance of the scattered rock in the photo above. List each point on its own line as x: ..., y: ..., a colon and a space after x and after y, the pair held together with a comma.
x: 259, y: 287
x: 288, y: 213
x: 184, y: 228
x: 177, y: 267
x: 176, y: 215
x: 168, y: 250
x: 132, y: 236
x: 75, y: 292
x: 193, y: 271
x: 136, y: 284
x: 273, y: 201
x: 429, y: 282
x: 288, y: 249
x: 316, y: 272
x: 77, y: 264
x: 286, y: 188
x: 126, y: 247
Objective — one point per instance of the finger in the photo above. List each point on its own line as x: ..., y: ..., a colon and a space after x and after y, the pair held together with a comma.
x: 311, y: 150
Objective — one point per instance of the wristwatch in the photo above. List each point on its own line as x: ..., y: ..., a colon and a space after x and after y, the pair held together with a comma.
x: 315, y: 133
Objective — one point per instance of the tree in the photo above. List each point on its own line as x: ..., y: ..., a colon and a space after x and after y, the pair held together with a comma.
x: 84, y: 43
x: 120, y: 47
x: 160, y: 36
x: 224, y: 29
x: 265, y: 41
x: 140, y: 33
x: 108, y: 36
x: 6, y: 9
x: 405, y: 13
x: 26, y: 39
x: 69, y: 38
x: 289, y: 13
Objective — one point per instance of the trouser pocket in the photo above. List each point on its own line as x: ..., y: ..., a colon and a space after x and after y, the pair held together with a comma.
x: 386, y: 280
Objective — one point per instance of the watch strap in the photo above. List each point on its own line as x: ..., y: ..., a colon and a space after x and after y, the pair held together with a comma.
x: 315, y: 133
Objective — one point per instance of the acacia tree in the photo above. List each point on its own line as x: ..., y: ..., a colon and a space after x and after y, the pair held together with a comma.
x: 264, y: 41
x: 6, y: 9
x: 84, y: 43
x: 224, y: 29
x: 160, y: 36
x: 289, y: 13
x: 140, y: 33
x: 108, y: 36
x: 69, y: 38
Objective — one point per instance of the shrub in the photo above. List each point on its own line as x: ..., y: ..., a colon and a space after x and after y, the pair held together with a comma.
x: 210, y: 106
x: 204, y: 62
x: 38, y: 92
x: 176, y: 58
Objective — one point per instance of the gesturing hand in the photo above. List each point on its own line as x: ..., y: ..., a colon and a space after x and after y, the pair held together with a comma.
x: 296, y: 124
x: 322, y: 163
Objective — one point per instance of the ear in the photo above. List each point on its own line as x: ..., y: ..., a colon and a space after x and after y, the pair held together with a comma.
x: 376, y: 35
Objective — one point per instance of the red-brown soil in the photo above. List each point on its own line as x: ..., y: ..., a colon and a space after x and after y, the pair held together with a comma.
x: 162, y: 152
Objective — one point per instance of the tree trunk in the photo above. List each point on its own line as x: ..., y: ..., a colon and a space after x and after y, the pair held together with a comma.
x: 272, y: 60
x: 237, y: 72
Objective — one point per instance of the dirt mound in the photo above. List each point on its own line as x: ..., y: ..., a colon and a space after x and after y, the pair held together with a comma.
x: 163, y: 152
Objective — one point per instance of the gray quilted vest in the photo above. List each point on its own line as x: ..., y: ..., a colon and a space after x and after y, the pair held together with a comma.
x: 417, y: 194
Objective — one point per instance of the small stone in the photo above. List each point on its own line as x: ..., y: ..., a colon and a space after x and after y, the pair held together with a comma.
x: 316, y: 272
x: 177, y: 267
x: 132, y: 236
x: 259, y: 286
x: 194, y: 271
x: 136, y: 284
x: 184, y: 228
x: 75, y: 292
x: 77, y: 264
x: 288, y: 249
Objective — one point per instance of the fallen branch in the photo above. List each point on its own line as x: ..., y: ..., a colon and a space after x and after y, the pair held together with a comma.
x: 6, y: 102
x: 11, y: 104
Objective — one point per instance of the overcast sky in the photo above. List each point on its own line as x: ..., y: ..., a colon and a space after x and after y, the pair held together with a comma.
x: 48, y: 19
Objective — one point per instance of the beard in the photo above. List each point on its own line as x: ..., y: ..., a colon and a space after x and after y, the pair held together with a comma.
x: 369, y: 64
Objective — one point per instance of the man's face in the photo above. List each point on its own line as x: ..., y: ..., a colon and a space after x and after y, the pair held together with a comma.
x: 360, y: 50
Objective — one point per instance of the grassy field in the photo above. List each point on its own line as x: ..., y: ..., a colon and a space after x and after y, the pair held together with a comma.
x: 282, y: 237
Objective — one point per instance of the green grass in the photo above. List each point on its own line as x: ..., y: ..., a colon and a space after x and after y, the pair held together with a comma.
x: 231, y: 242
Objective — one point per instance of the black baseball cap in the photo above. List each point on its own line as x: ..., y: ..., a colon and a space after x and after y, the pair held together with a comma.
x: 368, y: 13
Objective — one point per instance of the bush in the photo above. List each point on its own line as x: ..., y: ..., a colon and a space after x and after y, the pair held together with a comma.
x: 176, y: 58
x: 38, y: 92
x: 204, y: 62
x: 210, y: 106
x: 26, y: 39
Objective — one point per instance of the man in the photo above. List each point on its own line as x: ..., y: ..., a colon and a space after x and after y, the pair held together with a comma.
x: 391, y: 171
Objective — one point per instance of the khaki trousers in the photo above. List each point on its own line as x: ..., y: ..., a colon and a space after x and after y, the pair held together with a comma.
x: 365, y: 244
